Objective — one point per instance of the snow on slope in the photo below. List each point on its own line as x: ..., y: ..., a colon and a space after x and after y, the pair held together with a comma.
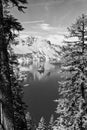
x: 38, y: 46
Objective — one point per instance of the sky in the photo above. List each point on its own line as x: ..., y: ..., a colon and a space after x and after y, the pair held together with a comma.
x: 50, y: 18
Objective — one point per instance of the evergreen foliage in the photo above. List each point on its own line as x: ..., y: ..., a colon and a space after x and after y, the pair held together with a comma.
x: 51, y: 123
x: 11, y: 105
x: 29, y: 121
x: 72, y: 105
x: 41, y: 124
x: 19, y: 106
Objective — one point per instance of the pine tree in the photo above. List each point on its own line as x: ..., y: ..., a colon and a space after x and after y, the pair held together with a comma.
x: 17, y: 89
x: 6, y: 100
x: 19, y: 106
x: 29, y: 121
x: 42, y: 124
x: 51, y: 123
x: 72, y: 104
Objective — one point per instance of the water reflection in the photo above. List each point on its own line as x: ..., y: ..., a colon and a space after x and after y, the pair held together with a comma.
x: 42, y: 89
x: 40, y: 71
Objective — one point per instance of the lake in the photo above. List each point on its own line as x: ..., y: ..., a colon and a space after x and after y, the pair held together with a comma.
x: 41, y: 89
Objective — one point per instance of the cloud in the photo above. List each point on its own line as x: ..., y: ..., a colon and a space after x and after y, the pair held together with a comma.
x: 33, y: 22
x: 60, y: 30
x: 46, y: 27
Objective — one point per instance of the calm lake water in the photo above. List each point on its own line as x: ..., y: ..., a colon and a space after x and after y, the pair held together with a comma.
x: 42, y: 89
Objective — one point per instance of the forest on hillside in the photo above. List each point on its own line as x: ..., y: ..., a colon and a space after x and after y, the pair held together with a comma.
x: 71, y: 108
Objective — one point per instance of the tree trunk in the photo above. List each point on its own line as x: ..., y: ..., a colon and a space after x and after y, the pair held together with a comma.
x: 1, y: 42
x: 5, y: 81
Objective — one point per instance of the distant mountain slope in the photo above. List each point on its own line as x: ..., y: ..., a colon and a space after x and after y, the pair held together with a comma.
x: 40, y: 49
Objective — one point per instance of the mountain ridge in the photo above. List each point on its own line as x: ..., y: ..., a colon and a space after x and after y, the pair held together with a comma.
x: 38, y: 48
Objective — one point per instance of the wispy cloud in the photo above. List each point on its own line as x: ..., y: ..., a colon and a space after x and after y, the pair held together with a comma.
x: 46, y: 27
x: 33, y: 22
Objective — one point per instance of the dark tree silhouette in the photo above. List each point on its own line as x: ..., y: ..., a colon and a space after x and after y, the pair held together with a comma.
x: 7, y: 24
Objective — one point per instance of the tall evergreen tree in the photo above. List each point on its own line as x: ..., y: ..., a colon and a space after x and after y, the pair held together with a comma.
x: 6, y: 95
x: 18, y: 105
x: 72, y: 105
x: 29, y: 121
x: 17, y: 89
x: 51, y: 123
x: 42, y: 124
